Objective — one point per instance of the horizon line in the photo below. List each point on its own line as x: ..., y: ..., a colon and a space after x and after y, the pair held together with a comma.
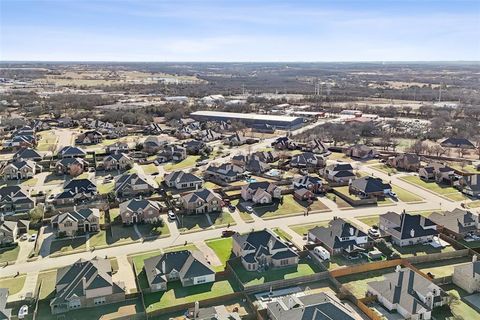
x: 250, y: 61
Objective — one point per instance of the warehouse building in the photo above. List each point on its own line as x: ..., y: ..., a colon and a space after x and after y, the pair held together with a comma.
x: 250, y: 119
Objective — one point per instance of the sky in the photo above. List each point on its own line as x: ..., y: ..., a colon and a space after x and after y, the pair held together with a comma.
x: 239, y: 30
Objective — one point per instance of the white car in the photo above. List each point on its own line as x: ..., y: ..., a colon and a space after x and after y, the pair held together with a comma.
x: 171, y: 215
x: 249, y: 209
x: 23, y: 312
x: 33, y: 238
x: 373, y: 233
x: 24, y: 237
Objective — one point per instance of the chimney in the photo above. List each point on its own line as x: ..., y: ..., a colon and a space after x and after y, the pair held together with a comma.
x: 398, y: 268
x: 84, y: 282
x: 163, y: 267
x: 474, y: 258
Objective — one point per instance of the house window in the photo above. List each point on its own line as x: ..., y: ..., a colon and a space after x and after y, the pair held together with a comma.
x: 100, y: 300
x: 201, y: 280
x: 284, y: 262
x: 68, y: 223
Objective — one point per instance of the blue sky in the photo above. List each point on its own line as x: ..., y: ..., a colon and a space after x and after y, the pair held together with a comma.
x: 234, y: 30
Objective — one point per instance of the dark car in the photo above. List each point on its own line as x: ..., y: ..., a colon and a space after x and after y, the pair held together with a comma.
x: 227, y: 233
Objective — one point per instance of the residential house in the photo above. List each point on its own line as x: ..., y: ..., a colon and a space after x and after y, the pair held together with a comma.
x: 261, y: 192
x: 303, y: 194
x: 369, y: 187
x: 410, y: 294
x: 71, y: 152
x: 132, y: 185
x: 182, y: 180
x: 86, y: 283
x: 172, y: 153
x: 27, y: 154
x: 153, y: 129
x: 76, y: 191
x: 15, y: 200
x: 226, y: 172
x: 266, y: 156
x: 457, y: 223
x: 454, y: 142
x: 361, y: 151
x: 470, y: 185
x: 405, y: 161
x: 19, y: 170
x: 406, y: 229
x: 236, y: 139
x: 437, y: 172
x: 315, y: 146
x: 117, y: 147
x: 214, y: 312
x: 5, y: 313
x: 340, y: 237
x: 89, y: 137
x: 467, y: 276
x: 71, y: 166
x: 201, y: 201
x: 310, y: 306
x: 117, y: 161
x: 284, y: 143
x: 311, y: 183
x: 140, y: 210
x: 307, y: 160
x: 208, y: 135
x: 196, y: 147
x: 190, y: 267
x: 11, y: 230
x: 76, y: 221
x: 339, y: 172
x: 153, y: 144
x: 262, y: 250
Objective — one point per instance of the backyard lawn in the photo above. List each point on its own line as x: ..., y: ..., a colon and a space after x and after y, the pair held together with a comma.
x: 13, y: 284
x: 186, y: 163
x: 357, y: 283
x: 458, y: 309
x: 302, y: 229
x: 149, y: 168
x: 9, y: 254
x: 278, y: 209
x: 249, y: 278
x: 222, y: 248
x: 176, y: 294
x: 419, y: 250
x: 104, y: 188
x: 442, y: 268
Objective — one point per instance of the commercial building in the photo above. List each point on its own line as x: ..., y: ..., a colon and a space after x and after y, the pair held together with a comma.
x: 250, y: 119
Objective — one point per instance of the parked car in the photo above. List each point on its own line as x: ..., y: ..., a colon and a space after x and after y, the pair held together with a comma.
x: 23, y: 312
x: 33, y: 238
x: 231, y: 208
x: 171, y: 215
x: 227, y: 233
x: 373, y: 232
x: 24, y: 237
x: 392, y: 194
x: 249, y: 208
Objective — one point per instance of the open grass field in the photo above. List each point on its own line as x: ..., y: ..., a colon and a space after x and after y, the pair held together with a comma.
x: 186, y: 163
x: 13, y: 284
x: 419, y: 250
x: 249, y: 278
x: 9, y: 254
x: 445, y: 191
x: 302, y: 229
x: 222, y: 248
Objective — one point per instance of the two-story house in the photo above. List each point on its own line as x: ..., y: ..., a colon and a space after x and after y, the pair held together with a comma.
x: 182, y: 180
x: 140, y: 210
x: 457, y: 223
x: 226, y: 172
x: 19, y: 170
x: 117, y: 161
x: 339, y: 172
x: 201, y: 201
x: 76, y: 221
x: 467, y: 276
x: 13, y: 199
x: 307, y: 160
x: 369, y: 187
x: 406, y: 229
x: 71, y: 166
x: 405, y: 161
x: 261, y: 192
x: 132, y: 185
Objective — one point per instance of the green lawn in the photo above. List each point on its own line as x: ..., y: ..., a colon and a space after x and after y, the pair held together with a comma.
x: 115, y: 214
x: 446, y: 191
x: 210, y: 185
x: 302, y: 229
x: 193, y: 223
x: 339, y: 201
x: 149, y: 168
x: 30, y: 182
x: 250, y: 278
x: 68, y: 245
x: 278, y: 209
x: 406, y: 196
x: 458, y: 310
x: 369, y: 220
x: 186, y: 163
x: 247, y: 217
x: 176, y: 294
x: 10, y: 254
x: 474, y: 204
x: 419, y: 250
x: 442, y: 268
x: 384, y: 168
x: 357, y: 283
x: 468, y: 168
x: 222, y: 248
x: 147, y: 230
x: 384, y: 202
x: 47, y: 141
x: 104, y: 188
x: 345, y: 191
x: 13, y: 284
x: 47, y: 280
x: 282, y: 234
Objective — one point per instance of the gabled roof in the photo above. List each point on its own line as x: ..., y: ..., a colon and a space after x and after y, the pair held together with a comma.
x: 260, y: 241
x: 332, y: 234
x: 455, y: 220
x: 457, y: 142
x: 403, y: 288
x: 200, y: 195
x: 76, y: 215
x: 182, y: 177
x: 409, y: 226
x: 340, y: 167
x: 139, y: 204
x: 370, y: 184
x: 27, y: 154
x: 71, y: 151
